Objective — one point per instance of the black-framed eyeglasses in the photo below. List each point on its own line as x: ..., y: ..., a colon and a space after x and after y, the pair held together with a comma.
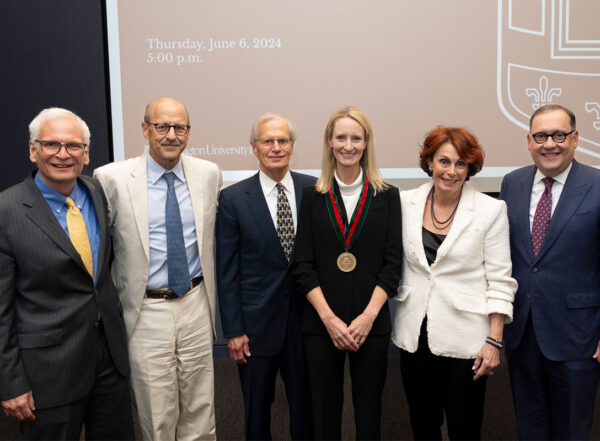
x: 541, y: 137
x: 53, y: 147
x: 283, y: 142
x: 163, y: 128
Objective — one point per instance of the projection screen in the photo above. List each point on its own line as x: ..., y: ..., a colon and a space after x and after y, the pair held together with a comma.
x: 408, y: 64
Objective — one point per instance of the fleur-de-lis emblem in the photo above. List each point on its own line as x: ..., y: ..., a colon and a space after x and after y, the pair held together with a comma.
x: 594, y: 107
x: 542, y: 96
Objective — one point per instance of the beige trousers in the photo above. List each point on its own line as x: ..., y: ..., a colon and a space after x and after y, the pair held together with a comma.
x: 172, y: 371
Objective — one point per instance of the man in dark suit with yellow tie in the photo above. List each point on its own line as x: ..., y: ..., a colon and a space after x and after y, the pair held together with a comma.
x: 63, y: 350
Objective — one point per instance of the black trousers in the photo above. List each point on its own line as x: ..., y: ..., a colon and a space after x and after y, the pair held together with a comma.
x: 325, y: 367
x: 553, y: 399
x: 105, y: 412
x: 435, y: 386
x: 258, y: 377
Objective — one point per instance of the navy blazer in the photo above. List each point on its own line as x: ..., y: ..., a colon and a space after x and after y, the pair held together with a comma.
x: 256, y: 290
x: 561, y: 286
x: 49, y: 303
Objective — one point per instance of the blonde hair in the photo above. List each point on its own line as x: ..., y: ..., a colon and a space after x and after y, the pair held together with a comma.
x: 367, y: 162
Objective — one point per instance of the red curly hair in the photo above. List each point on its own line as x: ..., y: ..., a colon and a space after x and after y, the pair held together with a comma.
x: 465, y: 143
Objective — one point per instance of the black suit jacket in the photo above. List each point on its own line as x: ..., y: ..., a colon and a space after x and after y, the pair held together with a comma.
x: 378, y: 251
x: 49, y: 303
x: 257, y: 292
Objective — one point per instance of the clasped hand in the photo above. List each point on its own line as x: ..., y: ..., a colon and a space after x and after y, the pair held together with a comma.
x: 352, y: 337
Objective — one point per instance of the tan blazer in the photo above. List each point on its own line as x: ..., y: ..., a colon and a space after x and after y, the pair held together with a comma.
x: 126, y: 188
x: 470, y: 278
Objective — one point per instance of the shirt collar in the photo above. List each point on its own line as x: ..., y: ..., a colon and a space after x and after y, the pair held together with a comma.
x: 269, y: 184
x: 57, y: 200
x: 562, y: 178
x: 156, y: 171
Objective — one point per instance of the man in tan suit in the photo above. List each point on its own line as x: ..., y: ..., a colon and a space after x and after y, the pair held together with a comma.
x: 162, y: 208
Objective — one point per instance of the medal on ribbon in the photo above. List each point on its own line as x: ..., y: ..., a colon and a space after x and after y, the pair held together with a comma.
x: 348, y: 232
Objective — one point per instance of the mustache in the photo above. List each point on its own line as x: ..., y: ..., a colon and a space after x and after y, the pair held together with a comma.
x: 173, y: 142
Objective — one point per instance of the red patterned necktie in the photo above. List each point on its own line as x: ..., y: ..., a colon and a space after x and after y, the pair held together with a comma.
x: 541, y: 219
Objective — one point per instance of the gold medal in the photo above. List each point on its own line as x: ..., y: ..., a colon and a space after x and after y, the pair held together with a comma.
x: 346, y: 262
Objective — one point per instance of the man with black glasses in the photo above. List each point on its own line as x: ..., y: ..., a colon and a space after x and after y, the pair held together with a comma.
x: 553, y: 344
x: 162, y: 208
x: 63, y: 348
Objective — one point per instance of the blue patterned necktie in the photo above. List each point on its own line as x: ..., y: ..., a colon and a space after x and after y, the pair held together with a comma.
x: 285, y: 222
x: 177, y: 264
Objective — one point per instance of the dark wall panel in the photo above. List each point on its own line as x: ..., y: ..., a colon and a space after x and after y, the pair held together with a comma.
x: 53, y: 56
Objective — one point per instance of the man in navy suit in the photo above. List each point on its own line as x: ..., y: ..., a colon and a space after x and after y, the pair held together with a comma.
x: 552, y: 346
x: 260, y: 307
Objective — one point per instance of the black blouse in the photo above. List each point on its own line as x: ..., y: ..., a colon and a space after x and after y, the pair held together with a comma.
x: 431, y: 243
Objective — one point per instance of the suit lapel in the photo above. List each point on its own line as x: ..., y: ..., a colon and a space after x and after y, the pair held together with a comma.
x: 257, y: 206
x: 40, y: 214
x: 298, y: 192
x: 414, y: 225
x: 137, y: 184
x: 195, y: 187
x: 521, y: 210
x: 100, y: 210
x: 463, y: 217
x: 571, y: 197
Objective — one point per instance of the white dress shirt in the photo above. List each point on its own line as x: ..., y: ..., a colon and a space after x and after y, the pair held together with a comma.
x: 269, y: 188
x: 538, y: 189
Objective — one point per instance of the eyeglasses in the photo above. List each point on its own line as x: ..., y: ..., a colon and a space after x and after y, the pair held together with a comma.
x: 282, y: 142
x: 163, y: 129
x: 541, y: 137
x: 53, y: 147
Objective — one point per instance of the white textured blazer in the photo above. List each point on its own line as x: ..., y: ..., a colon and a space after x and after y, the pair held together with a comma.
x: 126, y: 188
x: 470, y: 278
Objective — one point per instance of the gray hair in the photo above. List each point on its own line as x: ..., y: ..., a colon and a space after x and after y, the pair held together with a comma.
x: 52, y: 113
x: 267, y: 117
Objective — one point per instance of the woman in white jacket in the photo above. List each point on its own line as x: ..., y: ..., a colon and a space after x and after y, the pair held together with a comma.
x: 457, y: 289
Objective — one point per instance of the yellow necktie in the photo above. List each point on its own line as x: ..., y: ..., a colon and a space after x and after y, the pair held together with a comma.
x: 79, y: 236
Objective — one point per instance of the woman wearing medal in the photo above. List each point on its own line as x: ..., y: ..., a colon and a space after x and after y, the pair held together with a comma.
x: 457, y: 290
x: 348, y: 262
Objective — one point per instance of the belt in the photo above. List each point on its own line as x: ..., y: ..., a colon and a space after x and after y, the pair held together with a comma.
x: 167, y: 293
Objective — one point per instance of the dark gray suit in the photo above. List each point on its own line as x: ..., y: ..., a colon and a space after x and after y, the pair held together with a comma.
x: 50, y: 336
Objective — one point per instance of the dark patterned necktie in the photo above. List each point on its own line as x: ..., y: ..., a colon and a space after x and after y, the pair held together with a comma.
x: 285, y: 222
x: 177, y: 264
x: 541, y: 219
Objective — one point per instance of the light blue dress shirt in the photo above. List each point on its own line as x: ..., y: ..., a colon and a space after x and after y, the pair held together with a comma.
x: 83, y: 200
x: 158, y: 276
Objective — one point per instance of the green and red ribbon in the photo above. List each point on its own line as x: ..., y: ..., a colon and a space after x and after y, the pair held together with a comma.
x: 347, y: 234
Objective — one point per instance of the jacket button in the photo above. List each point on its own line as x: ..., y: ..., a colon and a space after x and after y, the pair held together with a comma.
x: 535, y: 270
x: 528, y: 295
